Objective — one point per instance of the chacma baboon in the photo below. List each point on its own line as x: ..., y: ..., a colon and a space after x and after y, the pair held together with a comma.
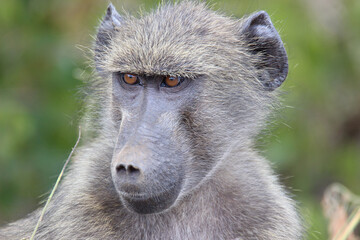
x: 180, y: 96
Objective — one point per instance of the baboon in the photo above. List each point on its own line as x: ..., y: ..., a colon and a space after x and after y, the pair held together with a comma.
x: 180, y: 96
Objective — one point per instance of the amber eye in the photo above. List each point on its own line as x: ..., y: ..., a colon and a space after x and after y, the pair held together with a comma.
x: 130, y: 78
x: 170, y: 81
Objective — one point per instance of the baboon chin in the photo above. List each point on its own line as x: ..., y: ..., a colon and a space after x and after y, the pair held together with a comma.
x: 178, y: 98
x: 146, y: 204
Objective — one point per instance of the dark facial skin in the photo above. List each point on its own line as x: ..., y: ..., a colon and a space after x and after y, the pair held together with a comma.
x: 148, y: 167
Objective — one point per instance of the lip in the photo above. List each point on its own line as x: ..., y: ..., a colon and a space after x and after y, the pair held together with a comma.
x: 145, y: 196
x: 138, y: 196
x: 143, y: 203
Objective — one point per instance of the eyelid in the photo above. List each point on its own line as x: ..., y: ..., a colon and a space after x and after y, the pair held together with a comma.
x: 131, y: 79
x: 119, y: 78
x: 184, y: 83
x: 164, y: 84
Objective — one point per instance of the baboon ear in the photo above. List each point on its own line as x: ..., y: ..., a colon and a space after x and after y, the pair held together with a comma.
x: 263, y: 40
x: 108, y: 26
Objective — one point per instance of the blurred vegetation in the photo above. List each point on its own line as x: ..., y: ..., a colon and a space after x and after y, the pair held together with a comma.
x: 315, y: 141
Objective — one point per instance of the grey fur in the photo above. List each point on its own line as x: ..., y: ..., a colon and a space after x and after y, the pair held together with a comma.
x: 202, y: 135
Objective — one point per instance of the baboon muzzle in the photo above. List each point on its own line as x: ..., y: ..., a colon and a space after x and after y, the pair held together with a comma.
x: 145, y: 183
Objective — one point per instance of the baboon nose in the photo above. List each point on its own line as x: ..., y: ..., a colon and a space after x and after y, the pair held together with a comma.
x: 128, y: 170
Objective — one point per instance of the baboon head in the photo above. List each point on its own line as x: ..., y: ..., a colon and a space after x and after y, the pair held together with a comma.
x: 184, y: 88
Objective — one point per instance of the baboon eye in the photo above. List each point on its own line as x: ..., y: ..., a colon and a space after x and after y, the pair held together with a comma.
x: 170, y: 81
x: 130, y: 79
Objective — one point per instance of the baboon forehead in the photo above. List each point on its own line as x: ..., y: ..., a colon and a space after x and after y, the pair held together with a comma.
x: 176, y: 39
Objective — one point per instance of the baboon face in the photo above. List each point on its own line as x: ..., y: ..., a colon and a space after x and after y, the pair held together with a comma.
x: 186, y: 87
x: 149, y: 162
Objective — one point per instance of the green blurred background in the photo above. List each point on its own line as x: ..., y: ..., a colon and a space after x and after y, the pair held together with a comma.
x: 315, y: 141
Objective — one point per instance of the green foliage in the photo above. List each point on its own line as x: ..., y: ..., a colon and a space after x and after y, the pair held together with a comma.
x: 315, y: 141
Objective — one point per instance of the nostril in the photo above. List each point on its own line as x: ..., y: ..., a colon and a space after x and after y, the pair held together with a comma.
x: 132, y: 170
x: 124, y: 169
x: 121, y: 168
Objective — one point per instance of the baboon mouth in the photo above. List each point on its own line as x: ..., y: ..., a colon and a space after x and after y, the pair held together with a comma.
x: 139, y: 196
x: 143, y: 203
